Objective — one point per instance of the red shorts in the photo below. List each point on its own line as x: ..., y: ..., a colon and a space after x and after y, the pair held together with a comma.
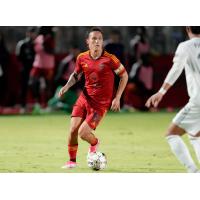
x: 46, y: 73
x: 92, y: 115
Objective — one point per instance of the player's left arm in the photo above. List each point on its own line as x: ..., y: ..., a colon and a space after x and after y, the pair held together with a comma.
x: 122, y: 73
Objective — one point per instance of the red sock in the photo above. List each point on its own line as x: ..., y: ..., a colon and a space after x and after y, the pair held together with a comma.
x: 94, y: 142
x: 72, y: 150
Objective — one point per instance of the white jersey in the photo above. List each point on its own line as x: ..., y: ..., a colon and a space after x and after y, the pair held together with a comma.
x: 187, y: 57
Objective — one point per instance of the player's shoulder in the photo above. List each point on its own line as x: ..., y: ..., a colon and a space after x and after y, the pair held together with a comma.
x: 111, y: 56
x: 185, y: 44
x: 183, y: 50
x: 83, y: 54
x: 183, y: 47
x: 106, y: 54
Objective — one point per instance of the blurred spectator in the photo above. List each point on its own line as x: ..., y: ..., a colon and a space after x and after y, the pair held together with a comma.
x: 66, y: 66
x: 115, y: 46
x: 26, y: 54
x: 140, y: 44
x: 4, y: 59
x: 140, y: 84
x: 65, y: 69
x: 41, y: 75
x: 141, y: 73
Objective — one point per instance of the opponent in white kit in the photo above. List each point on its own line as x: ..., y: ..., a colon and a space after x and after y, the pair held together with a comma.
x: 188, y: 119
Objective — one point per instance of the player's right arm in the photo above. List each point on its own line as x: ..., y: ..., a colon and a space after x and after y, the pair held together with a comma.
x: 73, y: 79
x: 174, y: 73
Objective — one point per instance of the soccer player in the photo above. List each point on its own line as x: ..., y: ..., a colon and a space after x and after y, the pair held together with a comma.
x: 187, y: 57
x: 97, y: 97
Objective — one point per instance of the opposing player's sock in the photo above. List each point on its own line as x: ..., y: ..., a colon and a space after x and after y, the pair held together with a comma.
x: 182, y: 153
x: 195, y: 141
x: 72, y: 150
x: 94, y: 146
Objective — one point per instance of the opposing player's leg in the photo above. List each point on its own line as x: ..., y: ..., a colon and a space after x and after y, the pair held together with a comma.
x: 179, y: 148
x: 73, y: 142
x: 195, y: 141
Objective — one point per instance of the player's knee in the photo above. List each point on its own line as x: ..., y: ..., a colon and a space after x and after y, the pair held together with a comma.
x: 73, y: 130
x: 170, y: 131
x: 198, y: 134
x: 174, y: 130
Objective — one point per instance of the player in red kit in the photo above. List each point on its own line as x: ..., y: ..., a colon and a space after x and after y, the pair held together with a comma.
x: 98, y: 68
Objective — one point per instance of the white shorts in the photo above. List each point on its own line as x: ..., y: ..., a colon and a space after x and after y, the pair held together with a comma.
x: 188, y: 118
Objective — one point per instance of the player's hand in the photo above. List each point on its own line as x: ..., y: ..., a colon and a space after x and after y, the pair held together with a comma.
x: 154, y: 100
x: 61, y: 92
x: 115, y: 105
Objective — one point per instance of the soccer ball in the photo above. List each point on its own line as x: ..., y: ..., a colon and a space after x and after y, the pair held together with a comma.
x: 97, y: 161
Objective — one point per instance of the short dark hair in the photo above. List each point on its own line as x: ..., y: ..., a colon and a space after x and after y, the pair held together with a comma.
x: 195, y: 29
x: 94, y: 28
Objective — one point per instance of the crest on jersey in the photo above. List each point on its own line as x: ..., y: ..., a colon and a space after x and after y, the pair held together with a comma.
x: 101, y: 66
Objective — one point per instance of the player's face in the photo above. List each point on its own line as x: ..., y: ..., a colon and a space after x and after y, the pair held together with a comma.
x: 95, y: 41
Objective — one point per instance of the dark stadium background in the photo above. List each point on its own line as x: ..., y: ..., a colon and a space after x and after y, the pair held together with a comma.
x: 163, y: 42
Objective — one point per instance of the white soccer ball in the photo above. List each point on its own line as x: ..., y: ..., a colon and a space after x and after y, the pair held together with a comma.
x: 97, y: 161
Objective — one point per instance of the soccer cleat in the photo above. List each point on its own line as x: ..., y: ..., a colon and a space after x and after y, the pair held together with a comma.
x: 69, y: 165
x: 93, y: 149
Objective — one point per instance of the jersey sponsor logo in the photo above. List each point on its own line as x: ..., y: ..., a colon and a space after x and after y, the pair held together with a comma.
x: 85, y: 65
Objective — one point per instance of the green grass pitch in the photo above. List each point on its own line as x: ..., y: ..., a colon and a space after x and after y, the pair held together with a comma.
x: 133, y: 142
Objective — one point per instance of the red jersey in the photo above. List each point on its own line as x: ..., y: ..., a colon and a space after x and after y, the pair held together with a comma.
x: 99, y: 77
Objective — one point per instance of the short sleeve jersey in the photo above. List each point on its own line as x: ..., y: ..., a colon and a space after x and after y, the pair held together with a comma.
x: 187, y: 57
x: 99, y: 77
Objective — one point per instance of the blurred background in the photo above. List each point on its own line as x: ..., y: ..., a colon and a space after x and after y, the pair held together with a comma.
x: 146, y: 52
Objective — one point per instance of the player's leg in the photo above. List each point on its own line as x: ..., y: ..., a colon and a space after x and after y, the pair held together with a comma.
x: 34, y: 83
x: 193, y: 128
x: 24, y: 85
x: 195, y: 141
x: 93, y: 118
x: 85, y: 133
x: 73, y: 137
x: 48, y: 76
x: 73, y: 142
x: 77, y: 118
x: 179, y: 148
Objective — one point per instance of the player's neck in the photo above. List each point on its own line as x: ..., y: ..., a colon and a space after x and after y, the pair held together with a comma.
x: 194, y: 36
x: 95, y: 54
